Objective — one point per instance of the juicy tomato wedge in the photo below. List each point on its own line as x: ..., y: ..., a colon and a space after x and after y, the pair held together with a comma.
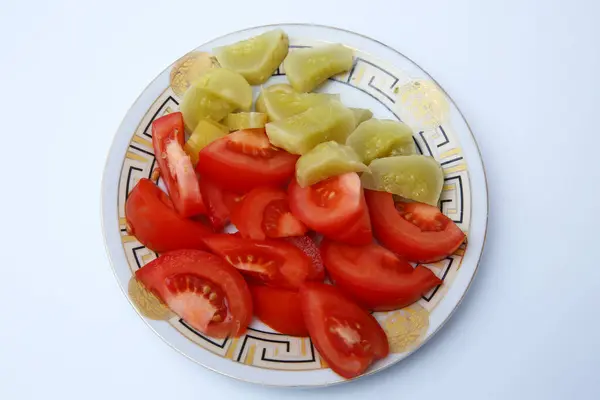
x: 279, y: 309
x: 346, y: 335
x: 265, y: 213
x: 217, y: 202
x: 375, y: 277
x: 153, y: 220
x: 176, y: 168
x: 415, y: 231
x: 271, y: 262
x: 310, y: 248
x: 202, y: 289
x: 238, y: 163
x: 334, y: 207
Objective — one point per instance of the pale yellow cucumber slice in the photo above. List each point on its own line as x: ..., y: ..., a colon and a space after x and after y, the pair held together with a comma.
x: 198, y: 104
x: 280, y: 104
x: 228, y: 85
x: 361, y: 115
x: 414, y: 177
x: 280, y: 87
x: 189, y: 68
x: 206, y: 132
x: 376, y: 138
x: 256, y: 58
x: 300, y: 133
x: 326, y: 160
x: 308, y: 68
x: 245, y: 120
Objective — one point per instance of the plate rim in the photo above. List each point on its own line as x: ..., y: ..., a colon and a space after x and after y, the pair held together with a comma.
x: 369, y: 372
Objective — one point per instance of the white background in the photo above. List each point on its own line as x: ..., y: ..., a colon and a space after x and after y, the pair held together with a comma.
x: 524, y: 73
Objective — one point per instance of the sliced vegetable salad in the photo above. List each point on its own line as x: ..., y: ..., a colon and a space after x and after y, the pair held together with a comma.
x: 330, y: 206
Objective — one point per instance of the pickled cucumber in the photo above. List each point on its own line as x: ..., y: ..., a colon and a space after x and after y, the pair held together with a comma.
x: 326, y: 160
x: 279, y: 104
x: 280, y: 87
x: 361, y: 115
x: 198, y: 104
x: 300, y: 133
x: 256, y: 58
x: 414, y: 177
x: 381, y: 138
x: 245, y: 120
x: 206, y: 132
x: 308, y: 68
x: 228, y: 85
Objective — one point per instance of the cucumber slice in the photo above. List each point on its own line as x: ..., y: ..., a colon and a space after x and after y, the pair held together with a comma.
x: 300, y: 133
x: 361, y: 115
x: 256, y: 58
x: 199, y: 104
x: 228, y: 85
x: 308, y: 68
x: 280, y: 87
x: 414, y: 177
x: 326, y: 160
x: 245, y: 120
x: 206, y: 132
x: 381, y: 138
x: 280, y: 105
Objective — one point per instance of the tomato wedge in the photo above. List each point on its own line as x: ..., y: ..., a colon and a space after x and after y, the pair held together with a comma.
x: 176, y: 168
x: 271, y: 262
x: 375, y: 277
x: 155, y: 223
x: 310, y: 248
x: 279, y: 309
x: 415, y: 231
x: 216, y: 200
x: 334, y: 207
x: 202, y: 289
x: 265, y: 213
x: 238, y: 163
x: 345, y: 335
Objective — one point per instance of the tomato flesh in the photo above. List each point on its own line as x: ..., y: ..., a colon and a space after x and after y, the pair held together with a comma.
x: 375, y: 277
x: 418, y: 232
x: 153, y: 220
x: 310, y: 248
x: 334, y: 207
x: 207, y: 293
x: 279, y: 309
x: 270, y: 262
x: 345, y: 335
x: 176, y: 168
x: 240, y: 170
x: 216, y: 206
x: 252, y: 142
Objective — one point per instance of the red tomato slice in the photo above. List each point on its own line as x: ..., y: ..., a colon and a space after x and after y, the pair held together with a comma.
x: 216, y: 204
x: 230, y: 162
x: 155, y: 223
x: 416, y: 231
x: 346, y: 336
x: 376, y: 277
x: 265, y: 213
x: 310, y: 248
x: 176, y: 168
x: 272, y: 262
x: 334, y: 207
x: 202, y: 289
x: 279, y: 309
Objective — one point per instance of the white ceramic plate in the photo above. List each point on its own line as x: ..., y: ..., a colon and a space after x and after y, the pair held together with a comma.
x: 393, y: 87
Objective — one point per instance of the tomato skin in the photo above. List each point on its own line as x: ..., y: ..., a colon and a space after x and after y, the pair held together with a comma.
x: 344, y: 219
x: 241, y: 172
x: 310, y: 248
x: 406, y: 239
x: 211, y: 269
x: 156, y: 224
x: 279, y: 309
x: 375, y: 277
x: 274, y: 263
x: 346, y: 335
x: 176, y: 168
x: 216, y: 208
